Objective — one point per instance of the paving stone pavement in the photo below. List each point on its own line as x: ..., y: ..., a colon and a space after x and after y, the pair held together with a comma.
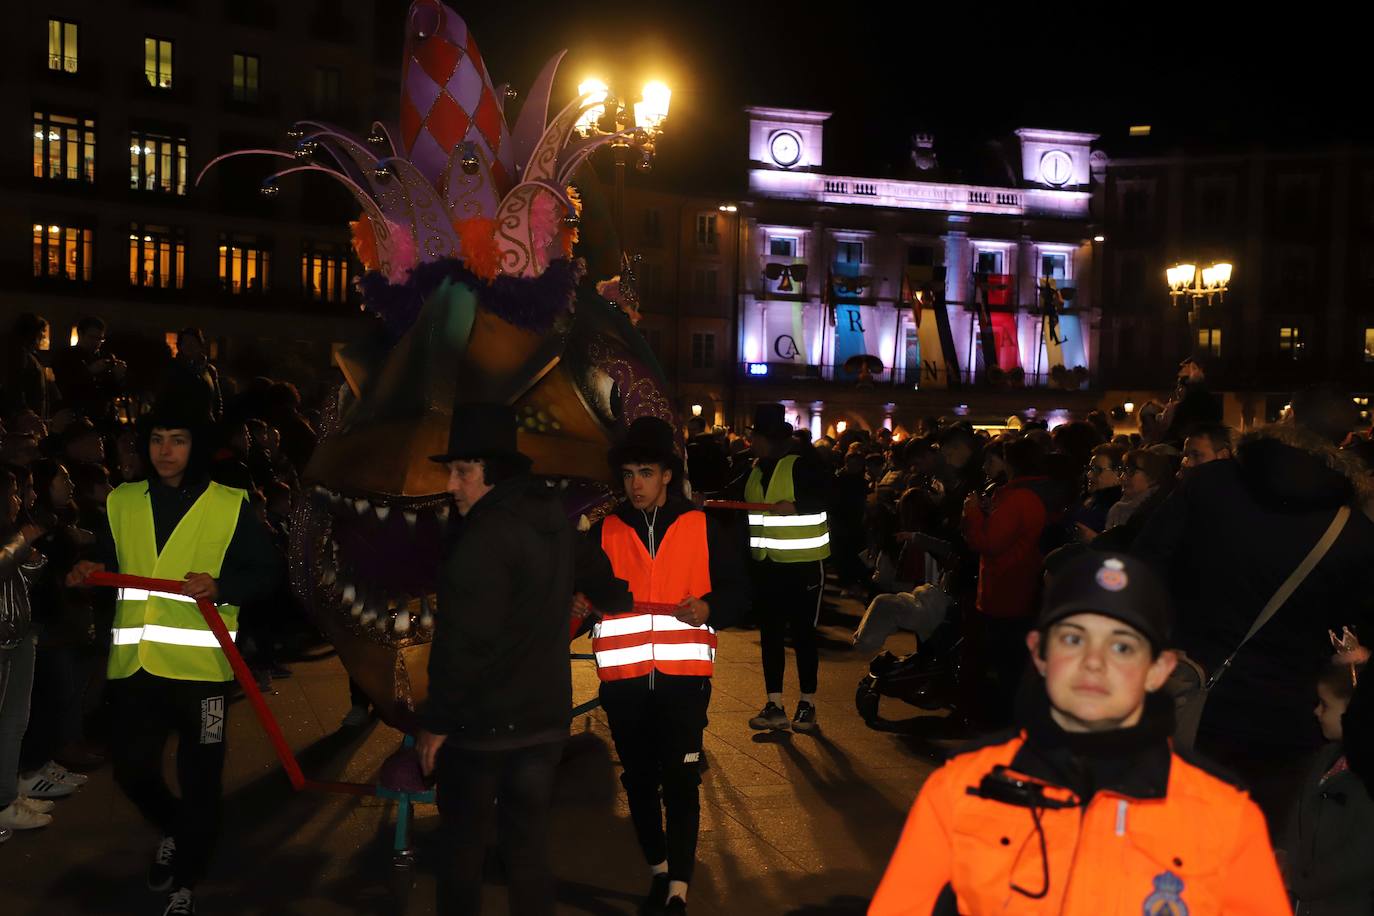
x: 795, y: 824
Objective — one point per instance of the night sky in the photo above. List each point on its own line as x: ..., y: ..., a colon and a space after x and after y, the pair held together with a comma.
x: 969, y: 74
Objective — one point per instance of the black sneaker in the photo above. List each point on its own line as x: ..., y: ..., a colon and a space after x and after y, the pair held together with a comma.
x: 160, y: 872
x: 182, y: 902
x: 657, y: 897
x: 676, y: 907
x: 805, y: 719
x: 772, y: 716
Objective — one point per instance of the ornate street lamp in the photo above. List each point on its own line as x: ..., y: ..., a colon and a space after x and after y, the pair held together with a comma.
x: 637, y: 126
x: 1192, y: 289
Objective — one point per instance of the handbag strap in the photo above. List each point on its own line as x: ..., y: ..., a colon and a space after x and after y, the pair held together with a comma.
x: 1290, y: 585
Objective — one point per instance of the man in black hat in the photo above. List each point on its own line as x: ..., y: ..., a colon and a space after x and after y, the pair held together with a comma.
x: 499, y: 684
x: 166, y: 672
x: 655, y: 653
x: 788, y: 545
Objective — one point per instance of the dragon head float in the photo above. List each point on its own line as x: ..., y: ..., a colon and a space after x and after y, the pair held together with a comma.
x: 468, y: 235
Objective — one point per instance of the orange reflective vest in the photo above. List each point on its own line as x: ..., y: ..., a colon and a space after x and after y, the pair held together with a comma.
x: 640, y: 642
x: 1202, y: 850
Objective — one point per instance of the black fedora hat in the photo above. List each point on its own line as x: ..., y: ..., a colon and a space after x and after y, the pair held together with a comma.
x: 480, y: 431
x: 649, y: 440
x: 771, y: 420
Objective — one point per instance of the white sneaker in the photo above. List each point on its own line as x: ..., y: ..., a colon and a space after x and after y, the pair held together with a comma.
x: 18, y: 817
x: 36, y: 805
x: 5, y: 834
x: 58, y: 773
x: 182, y: 902
x: 40, y: 786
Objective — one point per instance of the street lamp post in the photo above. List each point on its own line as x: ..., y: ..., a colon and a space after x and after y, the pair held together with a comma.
x: 637, y: 127
x: 1192, y: 289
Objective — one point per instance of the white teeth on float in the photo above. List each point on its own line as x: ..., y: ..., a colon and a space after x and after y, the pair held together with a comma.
x: 383, y: 512
x: 350, y: 593
x: 426, y: 613
x: 584, y: 523
x: 357, y: 609
x: 402, y: 622
x: 361, y: 505
x: 411, y: 518
x: 329, y: 576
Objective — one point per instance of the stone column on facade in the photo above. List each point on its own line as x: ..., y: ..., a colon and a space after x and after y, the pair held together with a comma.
x: 958, y: 289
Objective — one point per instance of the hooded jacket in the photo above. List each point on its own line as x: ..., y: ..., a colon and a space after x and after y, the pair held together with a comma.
x: 1227, y: 537
x: 499, y: 675
x: 1122, y: 835
x: 1007, y: 541
x: 1331, y: 842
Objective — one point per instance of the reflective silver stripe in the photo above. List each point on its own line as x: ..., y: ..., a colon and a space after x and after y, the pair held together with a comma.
x: 126, y: 636
x: 174, y: 636
x: 623, y: 626
x: 684, y: 652
x: 663, y: 622
x: 138, y: 594
x: 787, y: 521
x: 790, y: 543
x: 613, y: 658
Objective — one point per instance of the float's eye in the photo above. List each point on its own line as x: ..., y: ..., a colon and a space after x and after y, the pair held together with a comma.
x: 604, y: 393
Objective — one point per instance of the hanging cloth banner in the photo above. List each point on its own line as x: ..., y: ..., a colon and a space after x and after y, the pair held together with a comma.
x: 1004, y: 331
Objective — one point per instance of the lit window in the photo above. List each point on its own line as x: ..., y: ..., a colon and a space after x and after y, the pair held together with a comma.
x: 62, y: 252
x: 1369, y: 345
x: 781, y: 247
x: 62, y: 45
x: 706, y: 229
x: 990, y: 262
x: 1209, y: 341
x: 157, y: 62
x: 327, y: 88
x: 703, y: 351
x: 245, y: 265
x: 245, y: 78
x: 157, y: 163
x: 849, y: 253
x: 324, y: 273
x: 157, y: 256
x: 1140, y: 130
x: 1291, y: 343
x: 1053, y: 267
x: 63, y: 147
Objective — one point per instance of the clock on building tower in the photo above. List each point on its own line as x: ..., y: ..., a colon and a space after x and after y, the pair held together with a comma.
x: 785, y: 148
x: 1056, y: 168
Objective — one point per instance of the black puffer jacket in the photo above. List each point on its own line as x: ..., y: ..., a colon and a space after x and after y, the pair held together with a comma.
x: 498, y: 667
x: 1227, y: 538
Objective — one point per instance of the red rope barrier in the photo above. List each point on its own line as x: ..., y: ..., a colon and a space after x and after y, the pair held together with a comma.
x: 299, y: 782
x: 736, y: 504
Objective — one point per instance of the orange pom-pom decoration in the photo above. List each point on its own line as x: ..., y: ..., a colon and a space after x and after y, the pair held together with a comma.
x: 365, y: 242
x: 477, y: 240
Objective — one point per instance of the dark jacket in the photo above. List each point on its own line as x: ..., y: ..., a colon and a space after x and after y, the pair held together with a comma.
x: 1198, y: 406
x: 1093, y: 510
x: 707, y: 467
x: 498, y: 668
x: 1227, y: 538
x: 1331, y: 842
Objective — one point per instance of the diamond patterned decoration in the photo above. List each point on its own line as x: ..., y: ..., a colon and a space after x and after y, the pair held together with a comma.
x: 448, y: 122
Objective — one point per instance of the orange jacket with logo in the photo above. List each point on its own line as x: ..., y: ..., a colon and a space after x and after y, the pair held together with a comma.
x: 1200, y: 850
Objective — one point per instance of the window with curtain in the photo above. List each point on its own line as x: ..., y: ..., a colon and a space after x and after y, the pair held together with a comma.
x: 63, y: 252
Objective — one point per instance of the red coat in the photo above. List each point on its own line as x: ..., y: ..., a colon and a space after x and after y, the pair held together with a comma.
x: 1007, y: 541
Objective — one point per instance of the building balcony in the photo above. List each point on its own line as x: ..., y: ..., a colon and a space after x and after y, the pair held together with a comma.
x: 904, y: 378
x: 145, y: 84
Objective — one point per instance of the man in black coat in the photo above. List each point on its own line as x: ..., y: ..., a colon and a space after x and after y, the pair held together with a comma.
x: 1228, y: 537
x: 499, y: 683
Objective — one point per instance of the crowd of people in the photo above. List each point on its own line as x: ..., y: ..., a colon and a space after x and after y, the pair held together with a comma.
x: 1128, y: 598
x: 68, y: 439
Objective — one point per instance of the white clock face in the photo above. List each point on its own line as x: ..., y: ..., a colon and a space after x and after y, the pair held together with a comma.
x: 1056, y: 167
x: 785, y: 149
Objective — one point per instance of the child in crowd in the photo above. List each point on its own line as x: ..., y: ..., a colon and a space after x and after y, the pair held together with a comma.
x: 1330, y: 849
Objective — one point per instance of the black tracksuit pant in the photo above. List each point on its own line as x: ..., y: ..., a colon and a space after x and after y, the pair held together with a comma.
x: 788, y: 595
x: 146, y: 709
x: 656, y: 723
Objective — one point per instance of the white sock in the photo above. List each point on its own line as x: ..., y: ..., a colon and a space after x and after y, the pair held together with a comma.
x: 659, y: 869
x: 677, y: 889
x: 775, y: 698
x: 809, y: 698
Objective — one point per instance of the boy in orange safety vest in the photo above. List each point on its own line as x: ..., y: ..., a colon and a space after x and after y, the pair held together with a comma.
x: 655, y: 653
x: 1088, y: 809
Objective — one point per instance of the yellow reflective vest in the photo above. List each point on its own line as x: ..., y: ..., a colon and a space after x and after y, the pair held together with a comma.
x: 783, y: 538
x: 163, y: 632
